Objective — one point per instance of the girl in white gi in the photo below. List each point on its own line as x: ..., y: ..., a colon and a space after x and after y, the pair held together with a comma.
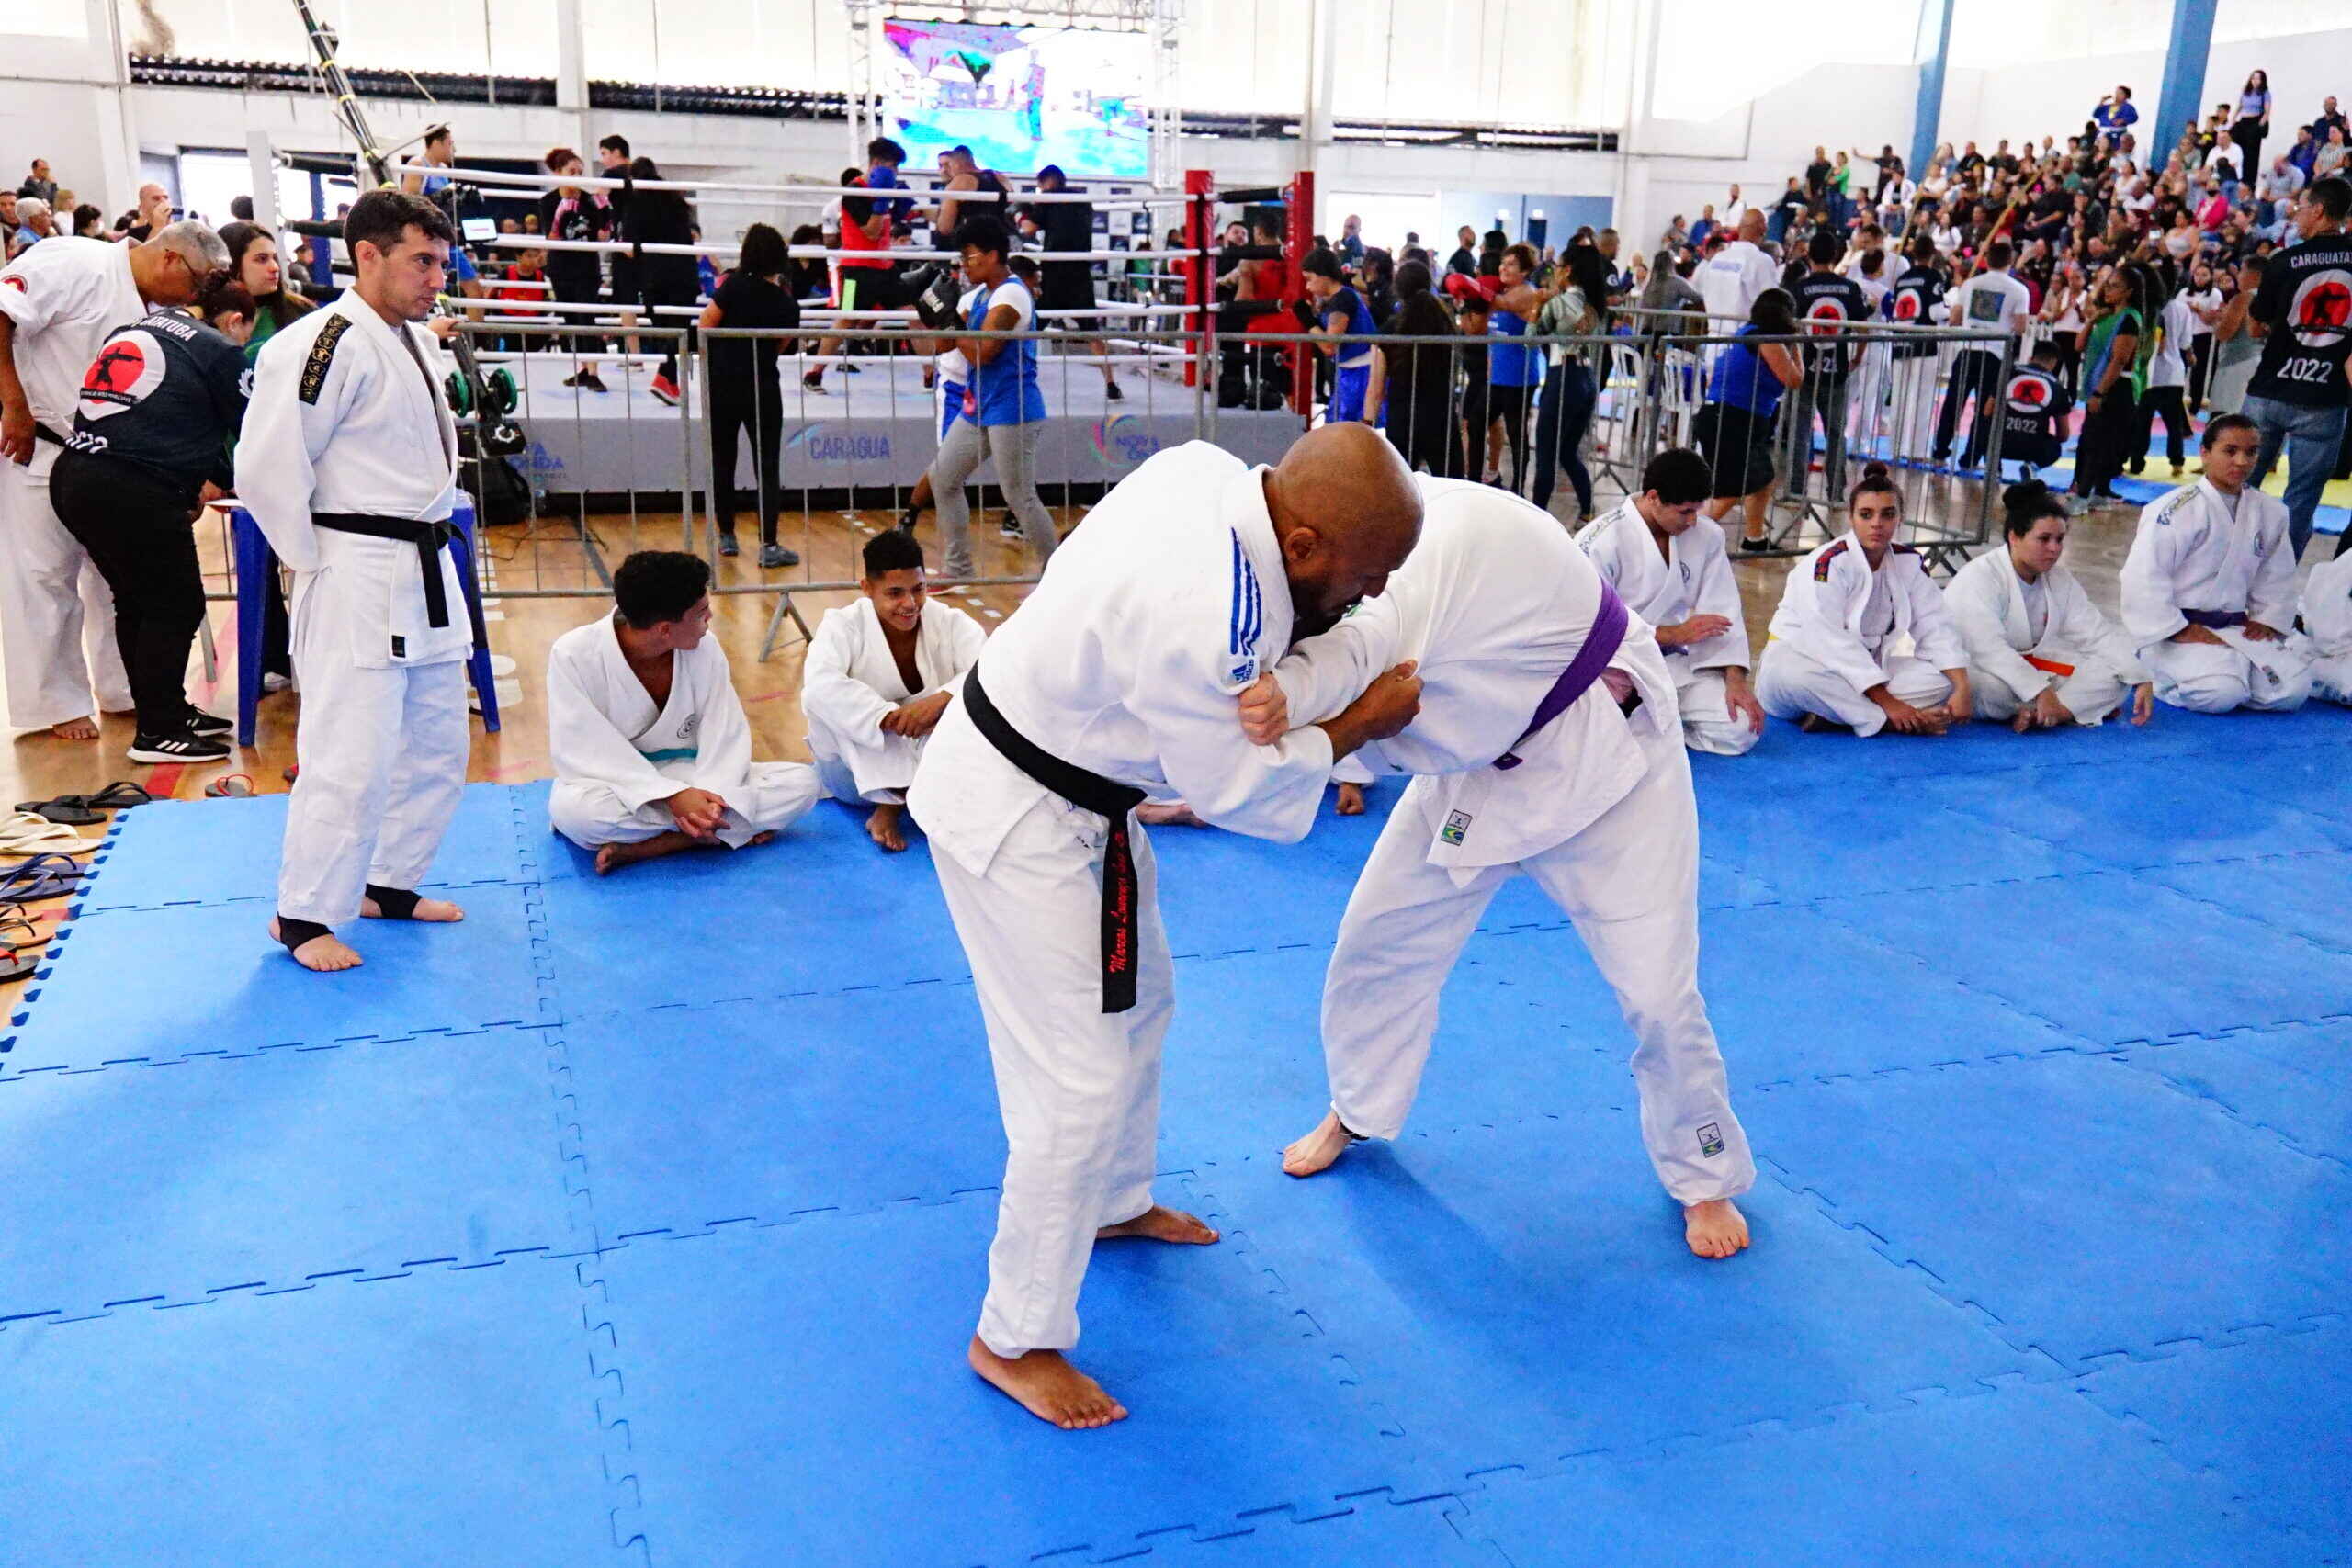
x: 1531, y: 755
x: 879, y: 673
x: 2209, y: 588
x: 1117, y: 680
x: 58, y: 300
x: 2327, y: 616
x: 2039, y: 654
x: 1677, y: 577
x: 1844, y: 611
x: 652, y: 753
x: 348, y: 462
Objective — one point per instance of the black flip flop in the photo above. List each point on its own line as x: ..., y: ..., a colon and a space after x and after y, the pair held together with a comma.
x: 119, y: 795
x: 66, y: 810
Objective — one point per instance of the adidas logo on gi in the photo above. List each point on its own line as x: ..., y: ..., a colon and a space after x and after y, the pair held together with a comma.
x: 1456, y: 826
x: 1710, y: 1141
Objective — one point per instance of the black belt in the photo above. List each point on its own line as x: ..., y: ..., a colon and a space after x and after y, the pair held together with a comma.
x: 1090, y: 792
x: 43, y: 433
x: 428, y: 537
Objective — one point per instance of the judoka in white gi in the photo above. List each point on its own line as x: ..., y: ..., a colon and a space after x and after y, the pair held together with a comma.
x: 58, y: 300
x: 1503, y: 618
x: 1844, y: 610
x: 2327, y: 616
x: 2039, y: 654
x: 652, y: 753
x: 2209, y: 588
x: 880, y: 672
x: 1118, y: 680
x: 1678, y: 579
x: 347, y: 431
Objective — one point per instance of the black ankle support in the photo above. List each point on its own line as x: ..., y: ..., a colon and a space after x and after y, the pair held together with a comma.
x: 294, y: 932
x: 397, y: 903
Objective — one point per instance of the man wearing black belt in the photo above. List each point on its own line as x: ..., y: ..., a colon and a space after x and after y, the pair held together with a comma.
x: 348, y: 462
x: 1118, y: 682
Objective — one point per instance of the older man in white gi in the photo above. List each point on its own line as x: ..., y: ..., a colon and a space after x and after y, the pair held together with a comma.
x: 58, y: 303
x: 1118, y: 680
x: 2327, y: 616
x: 348, y: 462
x: 2209, y: 588
x: 1547, y: 744
x: 1676, y: 577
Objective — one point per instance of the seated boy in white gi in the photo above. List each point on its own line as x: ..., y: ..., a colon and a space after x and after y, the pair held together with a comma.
x: 652, y: 753
x: 879, y: 675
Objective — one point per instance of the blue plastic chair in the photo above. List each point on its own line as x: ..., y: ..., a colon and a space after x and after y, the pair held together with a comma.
x: 257, y: 566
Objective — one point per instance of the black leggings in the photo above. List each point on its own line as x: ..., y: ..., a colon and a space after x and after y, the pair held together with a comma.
x: 755, y: 409
x: 681, y: 295
x: 136, y: 526
x: 1423, y: 428
x: 2168, y: 401
x: 1510, y: 405
x: 2106, y: 440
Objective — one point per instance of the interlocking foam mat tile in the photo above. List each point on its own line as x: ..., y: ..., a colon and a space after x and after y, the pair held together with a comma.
x: 203, y: 1176
x: 2016, y: 1214
x: 2295, y: 1082
x: 444, y: 1417
x: 215, y: 851
x: 2131, y: 815
x: 2308, y: 896
x: 193, y: 980
x: 1791, y: 843
x: 743, y: 1384
x: 2024, y: 1475
x: 1520, y: 1294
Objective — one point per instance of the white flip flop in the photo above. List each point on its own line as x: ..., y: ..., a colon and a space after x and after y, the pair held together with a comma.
x: 22, y: 834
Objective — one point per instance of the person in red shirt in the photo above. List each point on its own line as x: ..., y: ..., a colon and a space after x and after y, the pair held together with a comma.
x: 867, y: 281
x: 527, y: 285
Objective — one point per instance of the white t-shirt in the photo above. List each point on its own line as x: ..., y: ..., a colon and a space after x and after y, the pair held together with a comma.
x: 64, y: 295
x: 2035, y: 595
x: 2167, y: 368
x: 1990, y: 301
x: 1731, y: 282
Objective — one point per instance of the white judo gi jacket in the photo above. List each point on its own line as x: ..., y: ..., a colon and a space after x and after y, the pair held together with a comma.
x: 2327, y: 616
x: 1496, y: 602
x: 1692, y: 578
x: 1825, y: 650
x: 1988, y: 604
x: 850, y: 682
x: 2194, y: 551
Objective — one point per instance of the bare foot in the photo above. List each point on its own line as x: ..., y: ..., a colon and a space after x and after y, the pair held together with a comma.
x: 438, y: 911
x: 322, y: 955
x: 75, y: 729
x: 1170, y: 813
x: 756, y: 840
x: 1715, y: 1228
x: 1159, y: 1223
x: 610, y: 858
x: 2023, y: 722
x: 1044, y: 1383
x: 1350, y: 802
x: 1318, y: 1149
x: 883, y: 826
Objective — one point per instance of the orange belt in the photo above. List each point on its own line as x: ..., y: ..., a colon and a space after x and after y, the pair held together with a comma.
x: 2049, y: 666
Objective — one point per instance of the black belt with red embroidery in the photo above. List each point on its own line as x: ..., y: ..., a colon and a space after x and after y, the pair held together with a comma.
x: 1113, y: 802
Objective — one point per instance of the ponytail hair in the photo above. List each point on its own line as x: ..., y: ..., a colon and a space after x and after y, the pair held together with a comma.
x: 2029, y: 502
x: 1876, y: 480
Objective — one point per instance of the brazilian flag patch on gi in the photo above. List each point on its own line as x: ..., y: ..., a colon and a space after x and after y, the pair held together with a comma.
x: 1457, y: 826
x: 314, y: 370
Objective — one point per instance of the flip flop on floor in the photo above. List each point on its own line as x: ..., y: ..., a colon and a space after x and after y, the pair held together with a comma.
x: 119, y: 795
x: 231, y: 787
x: 40, y: 878
x: 23, y: 834
x: 67, y: 810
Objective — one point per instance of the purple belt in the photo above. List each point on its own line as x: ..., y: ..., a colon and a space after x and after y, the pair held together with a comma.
x: 1600, y: 646
x: 2214, y: 619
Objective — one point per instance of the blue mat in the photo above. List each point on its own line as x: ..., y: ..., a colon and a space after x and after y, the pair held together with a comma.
x: 2175, y: 814
x: 444, y: 1417
x: 2296, y: 1083
x: 2304, y: 895
x: 2035, y: 1229
x: 263, y: 1171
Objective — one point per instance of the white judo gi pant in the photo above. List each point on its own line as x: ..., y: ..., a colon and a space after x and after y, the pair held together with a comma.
x: 2091, y: 694
x: 2332, y: 678
x: 56, y: 614
x: 877, y: 772
x: 1629, y: 881
x: 2269, y: 677
x: 1079, y: 1088
x: 1792, y: 684
x: 1708, y: 723
x: 382, y: 756
x: 591, y: 815
x: 1912, y: 398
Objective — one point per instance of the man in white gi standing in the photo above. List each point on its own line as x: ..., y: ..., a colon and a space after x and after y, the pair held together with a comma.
x: 348, y: 462
x: 1118, y: 679
x: 2209, y: 589
x: 58, y: 303
x: 1547, y: 743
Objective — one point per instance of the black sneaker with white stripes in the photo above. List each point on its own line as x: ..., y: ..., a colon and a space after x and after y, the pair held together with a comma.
x: 202, y: 723
x: 178, y: 748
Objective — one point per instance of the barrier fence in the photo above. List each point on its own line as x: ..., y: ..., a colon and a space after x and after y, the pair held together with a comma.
x: 567, y: 480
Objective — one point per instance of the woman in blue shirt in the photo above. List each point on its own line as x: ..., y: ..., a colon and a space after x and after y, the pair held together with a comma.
x: 1006, y: 413
x: 1513, y: 370
x: 1736, y: 428
x: 1340, y: 311
x: 2253, y: 124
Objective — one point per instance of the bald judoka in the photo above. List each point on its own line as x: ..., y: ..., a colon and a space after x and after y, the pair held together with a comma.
x: 1548, y: 744
x: 1118, y: 680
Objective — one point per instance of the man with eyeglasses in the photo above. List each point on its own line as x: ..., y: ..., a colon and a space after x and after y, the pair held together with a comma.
x: 59, y: 301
